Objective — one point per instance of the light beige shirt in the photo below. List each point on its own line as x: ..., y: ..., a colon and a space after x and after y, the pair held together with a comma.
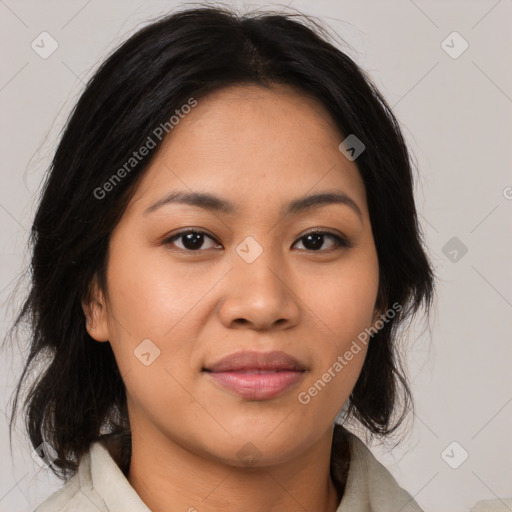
x: 100, y: 485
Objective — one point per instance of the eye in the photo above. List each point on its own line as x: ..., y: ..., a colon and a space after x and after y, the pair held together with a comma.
x: 315, y: 239
x: 192, y: 239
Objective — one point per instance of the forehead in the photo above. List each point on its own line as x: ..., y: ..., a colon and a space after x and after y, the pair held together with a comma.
x: 254, y: 145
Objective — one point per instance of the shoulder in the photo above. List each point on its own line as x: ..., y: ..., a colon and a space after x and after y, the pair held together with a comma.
x: 370, y: 483
x: 99, y: 484
x: 76, y: 495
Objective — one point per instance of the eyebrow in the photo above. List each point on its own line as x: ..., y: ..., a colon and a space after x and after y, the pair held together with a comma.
x: 218, y: 204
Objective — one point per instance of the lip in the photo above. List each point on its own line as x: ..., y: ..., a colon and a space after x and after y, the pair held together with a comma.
x: 250, y: 360
x: 257, y: 375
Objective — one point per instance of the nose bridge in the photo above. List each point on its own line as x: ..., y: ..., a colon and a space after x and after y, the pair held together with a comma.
x: 267, y: 268
x: 259, y: 266
x: 258, y: 292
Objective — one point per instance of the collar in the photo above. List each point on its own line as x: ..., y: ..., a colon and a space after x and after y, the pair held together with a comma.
x: 369, y: 486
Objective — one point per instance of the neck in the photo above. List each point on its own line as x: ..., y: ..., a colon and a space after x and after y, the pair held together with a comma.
x: 167, y: 476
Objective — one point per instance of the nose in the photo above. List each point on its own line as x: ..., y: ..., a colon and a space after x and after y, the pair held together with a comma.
x: 258, y: 296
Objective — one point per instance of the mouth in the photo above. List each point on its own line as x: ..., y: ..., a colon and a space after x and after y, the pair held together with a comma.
x: 255, y: 375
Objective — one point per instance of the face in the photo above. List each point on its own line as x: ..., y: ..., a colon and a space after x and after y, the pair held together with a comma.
x: 189, y: 285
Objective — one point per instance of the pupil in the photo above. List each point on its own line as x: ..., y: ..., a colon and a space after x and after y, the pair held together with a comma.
x: 317, y: 241
x: 193, y: 240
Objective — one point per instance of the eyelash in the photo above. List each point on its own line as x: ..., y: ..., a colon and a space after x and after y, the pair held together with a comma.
x: 341, y: 243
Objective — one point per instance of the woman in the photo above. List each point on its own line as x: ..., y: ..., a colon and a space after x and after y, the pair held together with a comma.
x: 225, y: 247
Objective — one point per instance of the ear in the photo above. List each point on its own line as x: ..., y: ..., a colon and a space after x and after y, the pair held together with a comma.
x: 95, y: 311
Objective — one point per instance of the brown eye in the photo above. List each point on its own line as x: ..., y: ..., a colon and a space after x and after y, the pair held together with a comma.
x: 191, y: 240
x: 314, y: 241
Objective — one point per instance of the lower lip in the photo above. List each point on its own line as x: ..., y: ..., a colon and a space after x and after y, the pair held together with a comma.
x: 257, y: 386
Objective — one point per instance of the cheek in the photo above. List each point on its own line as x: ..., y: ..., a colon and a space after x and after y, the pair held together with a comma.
x: 149, y: 293
x: 154, y: 299
x: 344, y: 300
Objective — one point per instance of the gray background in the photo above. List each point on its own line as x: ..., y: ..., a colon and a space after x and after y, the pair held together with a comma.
x: 456, y: 117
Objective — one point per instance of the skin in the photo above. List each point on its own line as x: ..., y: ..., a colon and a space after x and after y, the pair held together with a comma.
x: 255, y: 147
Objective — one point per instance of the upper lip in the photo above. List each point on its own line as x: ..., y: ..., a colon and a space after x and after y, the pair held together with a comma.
x: 250, y: 360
